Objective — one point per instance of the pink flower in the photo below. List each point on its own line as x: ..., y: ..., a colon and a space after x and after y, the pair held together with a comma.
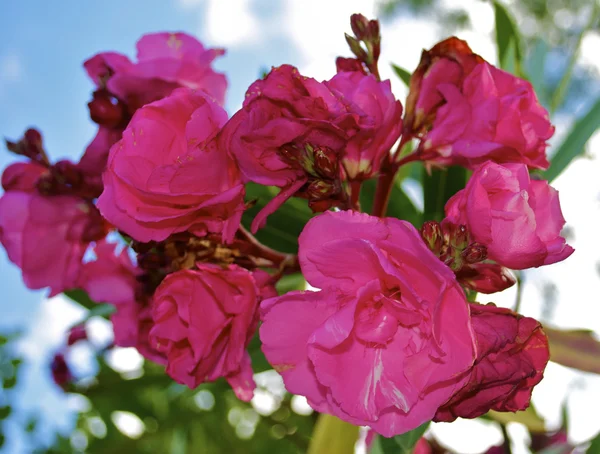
x: 512, y: 353
x: 47, y: 236
x: 492, y: 115
x: 518, y: 219
x: 375, y: 102
x: 291, y: 133
x: 388, y: 338
x: 448, y: 62
x: 203, y: 322
x: 160, y: 177
x: 166, y: 61
x: 113, y: 278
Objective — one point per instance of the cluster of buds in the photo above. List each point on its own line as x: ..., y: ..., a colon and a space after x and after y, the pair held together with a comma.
x: 365, y: 45
x: 66, y: 178
x: 454, y: 246
x: 324, y: 188
x: 31, y: 146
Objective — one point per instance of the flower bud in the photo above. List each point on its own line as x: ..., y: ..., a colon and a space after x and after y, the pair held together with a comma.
x: 356, y: 48
x: 349, y: 65
x: 475, y: 252
x: 31, y: 146
x: 360, y: 26
x: 105, y: 110
x: 320, y: 190
x: 325, y: 162
x: 431, y: 232
x: 61, y: 374
x: 485, y: 277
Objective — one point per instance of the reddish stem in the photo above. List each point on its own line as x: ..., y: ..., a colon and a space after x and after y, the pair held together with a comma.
x: 260, y: 250
x: 355, y: 195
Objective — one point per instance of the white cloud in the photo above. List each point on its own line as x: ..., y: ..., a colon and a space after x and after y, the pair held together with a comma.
x: 11, y: 68
x: 230, y: 23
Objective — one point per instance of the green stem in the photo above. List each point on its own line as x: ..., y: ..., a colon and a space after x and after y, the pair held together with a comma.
x: 519, y: 296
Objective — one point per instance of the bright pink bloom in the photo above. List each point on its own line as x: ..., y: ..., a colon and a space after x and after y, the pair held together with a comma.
x: 382, y: 113
x: 22, y: 176
x: 494, y: 116
x: 166, y: 61
x: 448, y: 62
x: 518, y: 219
x: 47, y: 236
x: 291, y: 133
x: 161, y: 176
x: 512, y: 353
x: 112, y: 278
x: 388, y: 338
x: 203, y: 321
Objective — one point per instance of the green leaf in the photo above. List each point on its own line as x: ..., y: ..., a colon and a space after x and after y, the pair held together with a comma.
x: 536, y: 62
x: 574, y: 144
x: 333, y: 436
x: 402, y: 73
x: 594, y: 446
x: 81, y: 297
x: 508, y: 39
x: 284, y: 226
x: 400, y: 444
x: 529, y: 418
x: 574, y: 348
x: 5, y: 412
x: 439, y: 186
x: 400, y: 206
x: 290, y: 282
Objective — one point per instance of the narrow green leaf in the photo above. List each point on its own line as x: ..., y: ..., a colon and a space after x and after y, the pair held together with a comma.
x: 290, y: 282
x: 283, y: 226
x: 400, y: 444
x: 508, y: 39
x: 594, y: 446
x: 575, y: 348
x: 529, y: 418
x: 333, y: 436
x: 574, y: 144
x: 536, y: 62
x: 5, y: 412
x: 439, y: 186
x: 81, y: 297
x: 400, y: 206
x: 402, y: 73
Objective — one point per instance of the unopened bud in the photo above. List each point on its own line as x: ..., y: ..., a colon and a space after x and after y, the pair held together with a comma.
x: 356, y: 48
x: 105, y: 110
x: 474, y: 253
x: 61, y: 373
x: 320, y: 189
x: 459, y: 236
x: 349, y: 65
x: 359, y: 25
x: 486, y: 277
x: 30, y: 145
x: 67, y: 172
x: 431, y: 232
x: 325, y: 162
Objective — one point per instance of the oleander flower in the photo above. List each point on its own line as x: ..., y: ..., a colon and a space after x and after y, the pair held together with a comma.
x: 492, y: 115
x: 517, y: 218
x: 386, y: 340
x: 47, y: 236
x: 512, y: 353
x: 204, y: 319
x: 167, y: 174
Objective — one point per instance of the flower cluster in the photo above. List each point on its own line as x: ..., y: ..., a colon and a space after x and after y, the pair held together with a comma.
x: 387, y: 338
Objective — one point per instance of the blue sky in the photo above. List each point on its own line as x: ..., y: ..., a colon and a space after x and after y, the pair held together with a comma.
x: 42, y: 83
